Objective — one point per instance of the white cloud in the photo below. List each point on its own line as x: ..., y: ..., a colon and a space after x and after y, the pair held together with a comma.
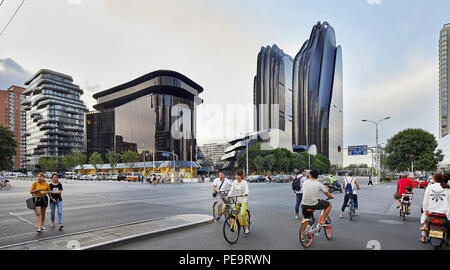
x: 374, y: 2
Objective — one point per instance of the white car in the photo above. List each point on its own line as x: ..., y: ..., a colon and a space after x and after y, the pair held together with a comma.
x: 92, y: 177
x: 71, y: 175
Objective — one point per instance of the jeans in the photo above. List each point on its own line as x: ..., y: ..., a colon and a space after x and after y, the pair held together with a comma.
x: 346, y: 198
x: 58, y: 205
x: 299, y: 201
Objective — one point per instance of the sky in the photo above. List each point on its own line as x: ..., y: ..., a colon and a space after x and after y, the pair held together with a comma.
x: 390, y: 52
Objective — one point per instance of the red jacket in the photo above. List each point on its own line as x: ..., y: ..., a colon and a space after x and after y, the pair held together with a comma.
x: 402, y: 184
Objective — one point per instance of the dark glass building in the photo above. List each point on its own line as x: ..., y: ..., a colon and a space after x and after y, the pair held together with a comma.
x: 155, y: 112
x: 318, y: 94
x: 272, y: 90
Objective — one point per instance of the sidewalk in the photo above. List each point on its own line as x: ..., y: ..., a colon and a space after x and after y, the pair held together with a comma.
x: 100, y: 238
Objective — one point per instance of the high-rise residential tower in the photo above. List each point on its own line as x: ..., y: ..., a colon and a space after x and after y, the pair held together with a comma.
x: 54, y: 116
x: 443, y: 81
x: 12, y: 116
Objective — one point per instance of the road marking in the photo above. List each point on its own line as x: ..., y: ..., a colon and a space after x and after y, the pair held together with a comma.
x: 22, y: 219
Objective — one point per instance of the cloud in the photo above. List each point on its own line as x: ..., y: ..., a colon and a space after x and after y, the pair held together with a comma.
x: 11, y: 73
x: 374, y: 2
x: 408, y: 95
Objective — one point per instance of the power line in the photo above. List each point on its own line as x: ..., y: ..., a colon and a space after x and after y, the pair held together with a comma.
x: 17, y: 10
x: 2, y: 2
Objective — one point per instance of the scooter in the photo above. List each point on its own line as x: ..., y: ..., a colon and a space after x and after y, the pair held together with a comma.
x: 437, y: 233
x: 332, y: 188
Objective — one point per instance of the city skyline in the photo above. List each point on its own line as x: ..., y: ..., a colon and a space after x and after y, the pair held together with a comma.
x: 376, y: 68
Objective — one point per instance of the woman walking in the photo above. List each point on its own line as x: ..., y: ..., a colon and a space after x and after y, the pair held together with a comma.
x: 39, y: 190
x: 239, y: 188
x: 56, y: 201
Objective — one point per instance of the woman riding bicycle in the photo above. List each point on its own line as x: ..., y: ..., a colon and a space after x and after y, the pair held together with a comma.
x: 239, y: 189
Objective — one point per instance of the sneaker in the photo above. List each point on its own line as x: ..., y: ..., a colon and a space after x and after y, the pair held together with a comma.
x: 297, y: 217
x: 398, y: 207
x: 44, y: 228
x: 60, y: 227
x: 52, y: 225
x: 38, y: 230
x: 356, y: 213
x: 341, y: 215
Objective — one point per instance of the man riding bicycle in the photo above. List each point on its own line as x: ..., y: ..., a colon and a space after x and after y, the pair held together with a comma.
x: 221, y: 185
x: 310, y: 199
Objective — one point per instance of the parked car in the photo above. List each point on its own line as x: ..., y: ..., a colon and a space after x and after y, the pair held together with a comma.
x: 70, y: 175
x: 420, y: 182
x: 255, y: 178
x: 132, y: 176
x: 102, y: 175
x: 279, y: 178
x: 91, y: 177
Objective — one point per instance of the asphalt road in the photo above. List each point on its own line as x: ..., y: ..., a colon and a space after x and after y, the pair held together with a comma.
x: 90, y: 205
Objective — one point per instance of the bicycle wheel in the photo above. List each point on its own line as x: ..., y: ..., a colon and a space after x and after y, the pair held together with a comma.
x: 350, y: 211
x: 307, y: 237
x: 216, y: 210
x: 403, y: 212
x: 8, y: 186
x: 231, y: 229
x: 328, y: 229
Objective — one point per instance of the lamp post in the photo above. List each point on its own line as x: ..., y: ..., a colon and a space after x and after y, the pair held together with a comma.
x: 246, y: 151
x: 377, y: 156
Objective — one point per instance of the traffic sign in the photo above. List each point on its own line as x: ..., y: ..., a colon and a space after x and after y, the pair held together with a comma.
x: 357, y: 150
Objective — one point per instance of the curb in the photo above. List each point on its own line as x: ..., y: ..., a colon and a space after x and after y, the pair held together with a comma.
x: 123, y: 239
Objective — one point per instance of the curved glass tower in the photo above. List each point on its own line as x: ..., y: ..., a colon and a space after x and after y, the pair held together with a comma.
x: 155, y: 112
x: 318, y: 94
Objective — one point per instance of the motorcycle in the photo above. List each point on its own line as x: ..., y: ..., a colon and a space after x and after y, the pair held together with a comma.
x: 332, y: 188
x: 437, y: 232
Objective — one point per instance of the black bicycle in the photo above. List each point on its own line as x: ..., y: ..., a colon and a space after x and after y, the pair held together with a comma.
x: 351, y: 206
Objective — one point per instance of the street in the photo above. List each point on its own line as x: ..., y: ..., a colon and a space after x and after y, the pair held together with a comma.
x: 91, y: 204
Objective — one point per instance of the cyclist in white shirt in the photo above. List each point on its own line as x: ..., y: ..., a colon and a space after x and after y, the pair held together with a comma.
x: 240, y: 188
x: 350, y: 185
x: 221, y: 185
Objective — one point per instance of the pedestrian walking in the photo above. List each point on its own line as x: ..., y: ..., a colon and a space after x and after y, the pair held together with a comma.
x: 370, y: 180
x: 39, y: 190
x: 56, y: 203
x: 297, y: 184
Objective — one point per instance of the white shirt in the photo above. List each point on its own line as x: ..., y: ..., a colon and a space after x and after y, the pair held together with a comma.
x: 311, y: 189
x: 302, y: 180
x: 437, y: 200
x: 350, y: 181
x: 239, y: 189
x: 225, y: 186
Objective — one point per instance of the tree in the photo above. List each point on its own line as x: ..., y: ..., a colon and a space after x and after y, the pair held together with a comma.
x: 321, y: 163
x: 259, y: 163
x: 129, y: 157
x: 95, y: 159
x: 69, y: 161
x: 113, y: 158
x: 79, y: 159
x: 417, y: 142
x: 7, y: 148
x: 47, y: 164
x: 269, y: 161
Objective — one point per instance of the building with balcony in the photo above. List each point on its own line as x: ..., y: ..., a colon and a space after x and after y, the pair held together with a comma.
x: 155, y: 112
x: 444, y: 52
x: 54, y: 116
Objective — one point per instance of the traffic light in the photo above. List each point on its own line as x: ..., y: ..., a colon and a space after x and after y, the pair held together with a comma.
x: 339, y: 148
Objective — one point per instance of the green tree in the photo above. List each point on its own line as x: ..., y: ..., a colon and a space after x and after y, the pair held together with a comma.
x: 129, y: 157
x: 47, y: 164
x: 95, y: 159
x: 79, y: 159
x: 259, y: 164
x: 69, y: 161
x: 113, y: 158
x: 7, y: 148
x: 321, y: 163
x: 417, y: 142
x: 269, y: 161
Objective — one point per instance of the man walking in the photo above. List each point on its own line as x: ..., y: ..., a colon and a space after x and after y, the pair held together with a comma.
x: 297, y: 185
x: 370, y: 180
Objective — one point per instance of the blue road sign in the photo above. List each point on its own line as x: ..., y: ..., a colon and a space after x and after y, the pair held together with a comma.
x: 164, y: 154
x: 358, y: 150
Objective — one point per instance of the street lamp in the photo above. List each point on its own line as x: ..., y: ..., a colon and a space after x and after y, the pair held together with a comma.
x: 246, y: 151
x: 378, y: 152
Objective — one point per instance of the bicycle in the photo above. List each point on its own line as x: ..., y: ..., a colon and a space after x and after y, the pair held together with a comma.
x: 310, y: 229
x: 5, y: 185
x: 405, y: 204
x: 351, y: 207
x: 225, y: 210
x: 233, y: 223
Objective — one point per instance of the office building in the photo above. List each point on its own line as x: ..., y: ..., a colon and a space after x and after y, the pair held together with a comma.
x: 54, y: 116
x: 318, y: 94
x: 443, y: 81
x: 155, y: 112
x: 12, y: 116
x: 213, y: 151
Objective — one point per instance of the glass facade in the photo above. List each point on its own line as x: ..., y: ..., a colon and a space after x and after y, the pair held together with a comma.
x: 272, y: 94
x: 137, y: 118
x: 54, y: 116
x: 317, y: 92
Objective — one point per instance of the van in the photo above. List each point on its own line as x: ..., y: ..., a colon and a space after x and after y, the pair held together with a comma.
x: 131, y: 176
x: 70, y: 175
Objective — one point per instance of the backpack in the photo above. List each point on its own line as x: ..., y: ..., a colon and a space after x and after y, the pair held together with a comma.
x: 348, y: 186
x: 296, y: 183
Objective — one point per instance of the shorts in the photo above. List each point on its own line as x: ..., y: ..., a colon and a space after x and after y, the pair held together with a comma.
x: 396, y: 196
x: 41, y: 201
x: 322, y: 204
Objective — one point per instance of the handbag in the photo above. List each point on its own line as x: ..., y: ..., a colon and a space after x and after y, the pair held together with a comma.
x: 214, y: 194
x: 30, y: 201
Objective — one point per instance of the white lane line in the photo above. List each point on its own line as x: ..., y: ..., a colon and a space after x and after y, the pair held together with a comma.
x: 22, y: 219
